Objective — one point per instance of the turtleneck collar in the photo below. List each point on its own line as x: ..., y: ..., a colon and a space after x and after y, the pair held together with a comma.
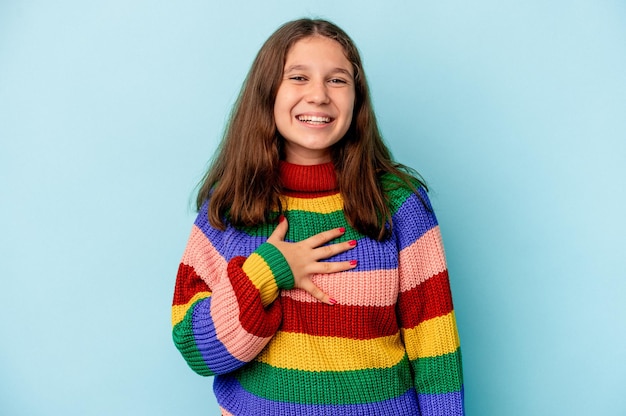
x: 314, y: 180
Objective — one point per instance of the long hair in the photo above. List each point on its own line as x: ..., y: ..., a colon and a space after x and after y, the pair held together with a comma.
x: 243, y: 179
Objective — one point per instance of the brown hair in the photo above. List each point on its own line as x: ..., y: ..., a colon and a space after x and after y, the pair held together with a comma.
x: 243, y: 179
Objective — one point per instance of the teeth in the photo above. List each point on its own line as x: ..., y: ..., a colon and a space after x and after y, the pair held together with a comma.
x: 314, y: 119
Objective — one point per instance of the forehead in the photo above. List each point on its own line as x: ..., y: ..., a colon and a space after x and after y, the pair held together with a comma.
x: 318, y: 51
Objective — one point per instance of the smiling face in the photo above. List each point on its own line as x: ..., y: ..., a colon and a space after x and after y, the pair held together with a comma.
x: 315, y: 100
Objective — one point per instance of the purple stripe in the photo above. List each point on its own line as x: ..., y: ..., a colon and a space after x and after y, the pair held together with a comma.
x: 371, y: 254
x: 413, y: 219
x: 232, y: 397
x: 213, y: 352
x: 229, y: 243
x: 444, y: 404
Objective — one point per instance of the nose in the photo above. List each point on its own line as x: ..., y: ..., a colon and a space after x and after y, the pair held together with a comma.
x: 317, y: 93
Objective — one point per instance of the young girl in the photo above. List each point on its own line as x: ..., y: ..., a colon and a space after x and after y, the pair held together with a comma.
x: 314, y: 280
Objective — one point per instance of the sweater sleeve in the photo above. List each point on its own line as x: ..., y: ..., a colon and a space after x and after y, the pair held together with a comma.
x: 224, y: 311
x: 425, y: 309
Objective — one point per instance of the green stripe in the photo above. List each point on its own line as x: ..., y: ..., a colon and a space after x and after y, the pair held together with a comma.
x: 182, y: 333
x: 397, y: 194
x: 347, y: 387
x: 262, y: 230
x: 309, y: 223
x: 442, y: 374
x: 396, y: 190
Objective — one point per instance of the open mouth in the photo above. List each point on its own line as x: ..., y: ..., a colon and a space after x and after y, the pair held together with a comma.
x: 314, y: 120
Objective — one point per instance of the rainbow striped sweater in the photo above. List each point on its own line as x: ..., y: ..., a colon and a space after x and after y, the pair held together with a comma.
x: 388, y: 347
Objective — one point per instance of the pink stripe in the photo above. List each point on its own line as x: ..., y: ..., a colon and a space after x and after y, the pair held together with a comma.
x: 371, y: 288
x: 225, y: 313
x: 225, y: 412
x: 422, y: 260
x: 204, y: 258
x: 211, y: 267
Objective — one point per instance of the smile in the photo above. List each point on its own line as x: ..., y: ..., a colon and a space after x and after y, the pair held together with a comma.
x: 314, y: 119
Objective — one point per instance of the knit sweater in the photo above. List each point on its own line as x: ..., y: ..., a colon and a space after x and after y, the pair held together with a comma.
x: 388, y: 347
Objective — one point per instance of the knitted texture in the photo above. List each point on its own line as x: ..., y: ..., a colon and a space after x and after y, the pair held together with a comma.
x: 388, y: 347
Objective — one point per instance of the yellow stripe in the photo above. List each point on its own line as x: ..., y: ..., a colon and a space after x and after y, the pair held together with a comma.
x: 323, y: 205
x: 317, y: 353
x: 179, y: 311
x: 432, y: 338
x: 264, y: 280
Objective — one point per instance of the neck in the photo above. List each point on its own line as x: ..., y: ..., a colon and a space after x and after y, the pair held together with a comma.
x: 305, y: 157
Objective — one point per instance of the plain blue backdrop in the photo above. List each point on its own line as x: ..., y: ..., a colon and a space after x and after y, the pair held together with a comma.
x: 514, y: 112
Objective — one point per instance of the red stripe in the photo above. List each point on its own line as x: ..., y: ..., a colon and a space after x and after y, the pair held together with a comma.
x: 425, y: 301
x: 188, y: 283
x: 254, y: 318
x: 354, y: 322
x: 308, y: 195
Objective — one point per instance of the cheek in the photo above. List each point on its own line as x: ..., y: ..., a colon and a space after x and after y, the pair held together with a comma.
x: 349, y: 110
x: 282, y: 107
x: 279, y: 109
x: 349, y: 101
x: 276, y: 111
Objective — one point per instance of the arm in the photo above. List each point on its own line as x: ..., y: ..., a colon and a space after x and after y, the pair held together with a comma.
x: 223, y: 312
x: 425, y: 310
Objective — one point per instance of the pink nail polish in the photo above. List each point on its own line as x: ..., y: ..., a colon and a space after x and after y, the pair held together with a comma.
x: 342, y: 229
x: 332, y: 301
x: 352, y: 243
x: 353, y: 262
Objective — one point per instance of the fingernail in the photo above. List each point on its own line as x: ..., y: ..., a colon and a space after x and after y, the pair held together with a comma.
x: 352, y: 243
x: 281, y: 218
x: 342, y: 229
x: 353, y: 262
x: 332, y: 301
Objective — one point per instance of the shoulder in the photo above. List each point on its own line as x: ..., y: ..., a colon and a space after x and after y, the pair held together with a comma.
x: 411, y: 211
x: 202, y: 218
x: 399, y: 193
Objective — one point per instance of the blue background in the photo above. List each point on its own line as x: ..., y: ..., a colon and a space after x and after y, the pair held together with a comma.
x: 515, y: 113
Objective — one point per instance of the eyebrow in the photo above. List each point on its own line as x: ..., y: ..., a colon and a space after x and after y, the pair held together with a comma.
x: 304, y: 67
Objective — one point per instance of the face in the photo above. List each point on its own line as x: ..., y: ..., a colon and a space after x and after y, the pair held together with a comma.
x: 314, y: 103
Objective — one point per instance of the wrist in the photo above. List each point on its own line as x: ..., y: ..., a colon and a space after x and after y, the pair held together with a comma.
x: 267, y: 264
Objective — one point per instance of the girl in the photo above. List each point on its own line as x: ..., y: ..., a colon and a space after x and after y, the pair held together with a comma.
x: 314, y: 280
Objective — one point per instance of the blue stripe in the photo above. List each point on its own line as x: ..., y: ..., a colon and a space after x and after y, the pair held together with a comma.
x: 371, y: 255
x: 229, y: 243
x: 444, y: 404
x: 232, y: 397
x: 214, y: 353
x: 413, y: 220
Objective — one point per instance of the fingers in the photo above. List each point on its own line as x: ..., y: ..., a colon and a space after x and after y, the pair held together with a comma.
x: 330, y: 250
x: 304, y: 257
x: 324, y: 237
x: 322, y: 251
x: 316, y: 242
x: 316, y: 292
x: 305, y: 283
x: 327, y: 267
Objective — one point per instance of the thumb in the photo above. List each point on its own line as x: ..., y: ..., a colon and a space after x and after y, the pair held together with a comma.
x: 280, y: 231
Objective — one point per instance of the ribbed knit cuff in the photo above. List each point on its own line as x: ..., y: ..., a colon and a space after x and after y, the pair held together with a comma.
x: 278, y: 266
